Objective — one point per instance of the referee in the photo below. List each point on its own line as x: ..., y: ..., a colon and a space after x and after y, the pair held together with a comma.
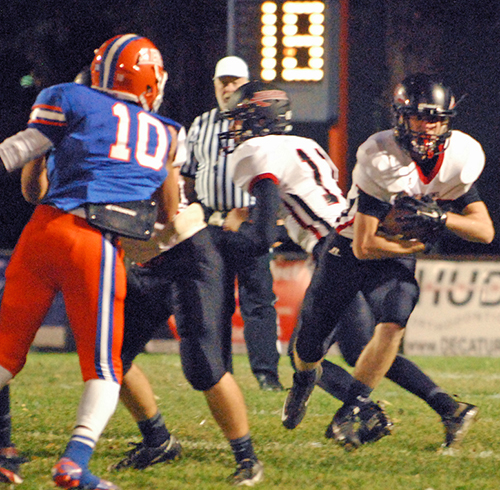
x: 208, y: 182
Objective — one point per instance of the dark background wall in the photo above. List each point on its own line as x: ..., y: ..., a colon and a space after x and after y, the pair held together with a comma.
x: 51, y: 40
x: 459, y: 40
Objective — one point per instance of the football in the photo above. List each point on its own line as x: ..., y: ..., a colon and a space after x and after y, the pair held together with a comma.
x: 392, y: 226
x: 412, y: 218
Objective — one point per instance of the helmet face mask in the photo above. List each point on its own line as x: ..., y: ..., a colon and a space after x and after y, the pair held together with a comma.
x: 423, y: 109
x: 424, y: 144
x: 256, y: 109
x: 130, y: 67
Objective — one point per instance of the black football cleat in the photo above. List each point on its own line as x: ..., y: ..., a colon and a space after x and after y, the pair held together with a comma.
x: 248, y: 473
x: 343, y: 429
x: 458, y: 424
x: 295, y: 406
x: 142, y: 456
x: 374, y: 423
x: 10, y: 461
x: 269, y: 382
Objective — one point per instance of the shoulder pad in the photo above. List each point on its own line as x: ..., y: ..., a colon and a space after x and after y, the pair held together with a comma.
x: 473, y: 154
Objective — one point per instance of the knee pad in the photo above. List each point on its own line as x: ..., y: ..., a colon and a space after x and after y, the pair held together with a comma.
x: 202, y: 371
x: 200, y: 379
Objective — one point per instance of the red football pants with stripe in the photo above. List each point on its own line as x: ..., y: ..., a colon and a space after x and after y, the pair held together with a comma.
x: 58, y: 251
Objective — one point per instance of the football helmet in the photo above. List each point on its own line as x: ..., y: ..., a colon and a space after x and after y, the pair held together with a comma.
x: 130, y: 67
x: 83, y: 77
x: 422, y: 96
x: 256, y: 109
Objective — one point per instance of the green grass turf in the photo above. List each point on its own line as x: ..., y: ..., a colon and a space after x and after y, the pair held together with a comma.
x: 46, y: 393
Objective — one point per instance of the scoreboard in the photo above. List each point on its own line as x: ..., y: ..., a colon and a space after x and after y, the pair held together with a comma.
x: 295, y: 45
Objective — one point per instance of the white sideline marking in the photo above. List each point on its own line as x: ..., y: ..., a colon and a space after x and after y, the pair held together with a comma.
x: 463, y: 375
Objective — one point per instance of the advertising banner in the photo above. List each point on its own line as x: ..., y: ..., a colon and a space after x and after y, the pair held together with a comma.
x: 458, y: 312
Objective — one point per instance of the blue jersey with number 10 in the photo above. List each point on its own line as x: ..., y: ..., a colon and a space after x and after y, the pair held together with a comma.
x: 105, y: 149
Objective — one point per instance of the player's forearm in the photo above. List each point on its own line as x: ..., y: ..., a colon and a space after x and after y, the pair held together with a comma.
x: 383, y: 248
x: 368, y: 245
x: 262, y: 230
x: 167, y: 197
x: 189, y: 189
x: 171, y: 202
x: 34, y: 181
x: 476, y: 227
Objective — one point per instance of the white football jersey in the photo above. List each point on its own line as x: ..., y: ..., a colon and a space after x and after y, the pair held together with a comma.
x: 383, y: 170
x: 306, y: 178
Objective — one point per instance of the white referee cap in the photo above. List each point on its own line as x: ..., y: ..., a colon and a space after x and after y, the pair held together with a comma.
x: 231, y: 66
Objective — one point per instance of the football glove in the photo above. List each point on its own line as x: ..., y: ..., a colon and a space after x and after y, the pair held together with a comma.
x: 412, y: 218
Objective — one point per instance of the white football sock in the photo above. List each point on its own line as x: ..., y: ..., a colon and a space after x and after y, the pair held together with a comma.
x: 97, y: 405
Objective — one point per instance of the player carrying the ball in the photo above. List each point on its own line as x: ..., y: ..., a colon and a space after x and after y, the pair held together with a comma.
x: 426, y: 173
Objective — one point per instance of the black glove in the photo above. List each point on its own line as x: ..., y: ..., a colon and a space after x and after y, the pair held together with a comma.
x: 420, y: 218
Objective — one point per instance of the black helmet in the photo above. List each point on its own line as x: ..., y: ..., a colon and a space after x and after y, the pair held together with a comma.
x: 423, y: 96
x: 261, y: 109
x: 83, y: 77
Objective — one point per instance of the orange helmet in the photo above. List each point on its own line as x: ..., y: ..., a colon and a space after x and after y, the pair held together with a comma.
x: 130, y: 67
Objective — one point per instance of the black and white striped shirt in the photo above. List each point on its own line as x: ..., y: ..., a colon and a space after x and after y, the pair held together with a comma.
x: 207, y: 164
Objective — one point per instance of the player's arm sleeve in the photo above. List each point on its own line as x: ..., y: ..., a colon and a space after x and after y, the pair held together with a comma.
x: 262, y: 230
x: 253, y: 163
x: 459, y: 204
x: 372, y: 206
x: 23, y: 147
x: 473, y: 154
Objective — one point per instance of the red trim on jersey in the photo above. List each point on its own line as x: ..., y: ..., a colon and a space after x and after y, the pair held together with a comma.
x: 260, y: 177
x: 49, y: 107
x: 427, y: 179
x: 47, y: 119
x: 344, y: 226
x: 311, y: 228
x: 48, y: 123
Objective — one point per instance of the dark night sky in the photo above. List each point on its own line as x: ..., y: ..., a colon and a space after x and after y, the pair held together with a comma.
x: 54, y: 39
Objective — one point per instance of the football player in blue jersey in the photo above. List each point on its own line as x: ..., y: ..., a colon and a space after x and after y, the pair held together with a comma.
x: 109, y: 159
x: 195, y: 268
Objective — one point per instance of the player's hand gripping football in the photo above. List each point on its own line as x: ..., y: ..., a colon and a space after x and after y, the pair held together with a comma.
x: 411, y: 218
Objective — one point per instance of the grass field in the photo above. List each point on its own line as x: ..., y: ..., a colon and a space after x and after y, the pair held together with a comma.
x: 46, y: 393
